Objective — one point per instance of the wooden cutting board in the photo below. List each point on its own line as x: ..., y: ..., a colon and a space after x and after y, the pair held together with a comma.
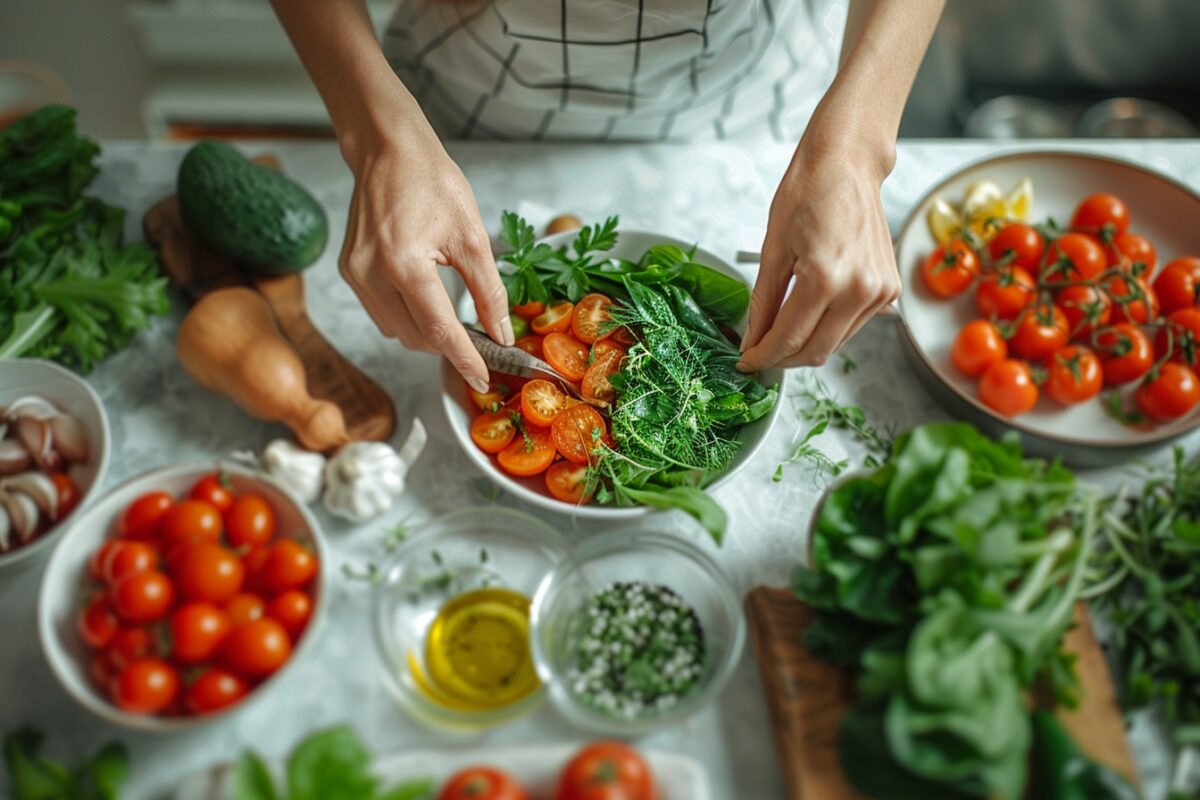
x: 197, y: 269
x: 807, y: 698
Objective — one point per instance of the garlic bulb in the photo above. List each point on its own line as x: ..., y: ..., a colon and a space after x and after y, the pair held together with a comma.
x: 363, y: 479
x: 296, y: 468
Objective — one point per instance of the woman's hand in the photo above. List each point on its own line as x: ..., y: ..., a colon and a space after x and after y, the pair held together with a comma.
x: 413, y: 211
x: 827, y: 238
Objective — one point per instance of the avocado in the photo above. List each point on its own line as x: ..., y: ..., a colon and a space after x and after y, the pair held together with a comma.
x: 250, y: 212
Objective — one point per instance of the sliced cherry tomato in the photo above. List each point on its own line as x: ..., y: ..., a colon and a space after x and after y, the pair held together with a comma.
x: 1133, y: 300
x: 292, y: 610
x: 1085, y: 307
x: 209, y: 572
x: 256, y: 649
x: 492, y: 431
x: 567, y: 355
x: 197, y: 629
x: 129, y: 645
x: 596, y: 387
x: 1007, y: 388
x: 1004, y: 292
x: 215, y: 489
x: 1040, y: 330
x: 1074, y: 257
x: 146, y: 686
x: 577, y: 431
x: 482, y: 783
x: 1133, y: 252
x: 530, y: 453
x: 977, y: 346
x: 555, y: 319
x: 624, y: 337
x: 191, y: 521
x: 1170, y: 391
x: 1018, y: 245
x: 1073, y: 375
x: 541, y: 402
x: 568, y: 482
x: 1181, y: 335
x: 605, y: 346
x: 1178, y: 285
x: 250, y: 521
x: 141, y: 519
x: 98, y: 623
x: 531, y: 344
x: 497, y: 395
x: 289, y: 565
x: 214, y: 689
x: 591, y: 319
x: 142, y: 596
x: 950, y: 269
x: 527, y: 311
x: 122, y: 557
x: 68, y: 494
x: 1102, y: 214
x: 1125, y: 353
x: 245, y: 606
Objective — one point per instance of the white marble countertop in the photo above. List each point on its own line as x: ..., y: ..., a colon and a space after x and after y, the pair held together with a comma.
x: 716, y: 194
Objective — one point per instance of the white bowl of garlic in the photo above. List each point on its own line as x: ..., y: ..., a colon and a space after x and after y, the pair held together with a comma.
x: 54, y: 445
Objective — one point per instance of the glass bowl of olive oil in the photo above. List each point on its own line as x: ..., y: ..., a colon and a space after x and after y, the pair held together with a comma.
x: 451, y: 617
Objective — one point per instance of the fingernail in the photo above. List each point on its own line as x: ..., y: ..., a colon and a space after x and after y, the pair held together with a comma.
x: 478, y: 385
x: 506, y: 332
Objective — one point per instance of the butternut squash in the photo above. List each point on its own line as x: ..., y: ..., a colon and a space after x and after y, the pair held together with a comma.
x: 229, y: 342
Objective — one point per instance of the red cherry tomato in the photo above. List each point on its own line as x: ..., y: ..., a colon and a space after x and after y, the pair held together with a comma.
x: 591, y: 319
x: 555, y: 319
x: 214, y: 689
x: 567, y: 355
x: 950, y: 269
x: 567, y: 482
x: 98, y: 623
x: 482, y: 783
x: 529, y: 454
x: 142, y: 596
x: 141, y: 519
x: 1004, y: 292
x: 1040, y: 330
x: 527, y: 311
x: 208, y: 572
x: 289, y: 565
x: 129, y: 645
x: 1170, y: 391
x: 1073, y: 375
x: 146, y: 686
x: 214, y: 489
x: 197, y: 629
x: 1181, y: 335
x: 1178, y: 285
x: 1018, y: 245
x: 1133, y: 300
x: 1074, y: 257
x: 244, y: 607
x: 1085, y: 307
x: 1007, y: 388
x: 250, y: 521
x: 1135, y: 253
x: 977, y: 346
x: 191, y: 521
x: 577, y: 432
x: 291, y: 609
x: 1125, y: 353
x: 256, y: 649
x: 1102, y: 214
x: 497, y: 395
x: 123, y: 557
x: 606, y: 771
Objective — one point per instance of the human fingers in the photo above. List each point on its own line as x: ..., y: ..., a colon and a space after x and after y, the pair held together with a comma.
x: 770, y: 287
x: 472, y: 259
x: 797, y: 318
x: 439, y: 327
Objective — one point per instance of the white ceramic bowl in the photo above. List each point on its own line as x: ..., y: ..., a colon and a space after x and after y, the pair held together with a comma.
x: 460, y: 412
x: 71, y: 393
x: 66, y: 577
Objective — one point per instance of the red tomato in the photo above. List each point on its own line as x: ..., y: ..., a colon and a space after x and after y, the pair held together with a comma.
x: 1181, y: 335
x: 1073, y: 375
x: 591, y: 318
x: 1132, y: 301
x: 1019, y: 245
x: 529, y: 454
x: 244, y: 607
x: 950, y: 269
x: 577, y: 432
x: 129, y: 645
x: 1178, y: 285
x: 1003, y: 293
x: 1135, y: 253
x: 191, y: 521
x: 568, y: 482
x: 596, y: 387
x: 123, y: 557
x: 97, y: 624
x: 1125, y: 353
x: 292, y: 610
x: 100, y: 669
x: 197, y: 629
x: 482, y: 783
x: 68, y: 494
x: 606, y: 771
x: 214, y: 489
x: 606, y: 346
x: 1040, y: 331
x: 254, y: 560
x: 555, y: 319
x: 497, y: 395
x: 1085, y: 307
x: 256, y: 649
x: 1074, y: 257
x: 250, y: 521
x: 977, y: 346
x: 213, y: 690
x: 142, y: 596
x: 141, y: 519
x: 528, y: 311
x: 289, y: 565
x: 541, y: 402
x: 1007, y: 388
x: 532, y: 345
x: 1102, y: 214
x: 1170, y: 391
x: 146, y: 686
x: 567, y: 355
x: 208, y: 572
x: 491, y: 431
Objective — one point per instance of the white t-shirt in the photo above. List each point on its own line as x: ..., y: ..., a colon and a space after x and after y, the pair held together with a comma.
x: 616, y: 69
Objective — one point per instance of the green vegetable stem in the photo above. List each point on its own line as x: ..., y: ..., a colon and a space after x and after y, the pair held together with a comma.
x: 1061, y: 772
x: 32, y: 776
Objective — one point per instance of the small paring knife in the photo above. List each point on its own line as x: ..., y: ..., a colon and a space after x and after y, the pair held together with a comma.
x: 515, y: 361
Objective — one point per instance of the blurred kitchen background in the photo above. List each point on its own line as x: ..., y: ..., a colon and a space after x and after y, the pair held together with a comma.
x: 998, y: 69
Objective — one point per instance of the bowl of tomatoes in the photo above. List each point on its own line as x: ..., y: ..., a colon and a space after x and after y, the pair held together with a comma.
x: 181, y: 595
x: 1071, y: 318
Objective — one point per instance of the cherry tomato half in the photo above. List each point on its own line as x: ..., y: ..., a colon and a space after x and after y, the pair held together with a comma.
x: 591, y: 317
x: 567, y: 481
x: 567, y: 355
x: 497, y: 395
x: 541, y: 402
x: 577, y: 432
x: 555, y: 319
x: 1074, y: 257
x: 596, y: 387
x: 491, y: 431
x: 530, y: 453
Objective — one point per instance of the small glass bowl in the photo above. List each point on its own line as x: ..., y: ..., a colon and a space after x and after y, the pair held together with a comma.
x: 464, y: 550
x: 652, y: 557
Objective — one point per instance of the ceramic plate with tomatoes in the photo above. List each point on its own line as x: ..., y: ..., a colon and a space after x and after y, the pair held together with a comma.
x: 1059, y: 332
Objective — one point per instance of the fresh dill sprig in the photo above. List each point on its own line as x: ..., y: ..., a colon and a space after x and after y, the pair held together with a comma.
x: 818, y: 406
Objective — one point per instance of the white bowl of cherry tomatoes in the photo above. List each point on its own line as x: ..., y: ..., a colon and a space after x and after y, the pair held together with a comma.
x: 1084, y: 336
x: 181, y: 595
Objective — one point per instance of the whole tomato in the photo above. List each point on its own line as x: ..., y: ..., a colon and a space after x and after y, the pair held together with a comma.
x: 1181, y: 335
x: 1169, y: 392
x: 146, y: 686
x: 288, y: 566
x: 197, y: 629
x: 1086, y: 308
x: 142, y: 597
x: 1074, y: 257
x: 950, y: 269
x: 482, y: 783
x: 1017, y: 244
x: 190, y: 521
x: 214, y: 489
x: 213, y: 690
x: 291, y: 609
x: 1135, y: 253
x: 606, y: 771
x: 97, y: 623
x: 1125, y: 353
x: 129, y: 645
x: 209, y: 572
x: 255, y: 649
x: 1040, y: 330
x: 250, y: 521
x: 977, y: 346
x: 1004, y: 292
x: 1103, y: 214
x: 1133, y: 300
x: 1007, y: 387
x: 1178, y: 285
x: 1073, y: 375
x: 141, y: 518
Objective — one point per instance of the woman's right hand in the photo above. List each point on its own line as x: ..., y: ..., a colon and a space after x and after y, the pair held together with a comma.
x: 413, y: 211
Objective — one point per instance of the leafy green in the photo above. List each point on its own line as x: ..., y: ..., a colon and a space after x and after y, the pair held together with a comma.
x: 36, y: 777
x: 817, y: 405
x: 77, y: 293
x: 1061, y: 772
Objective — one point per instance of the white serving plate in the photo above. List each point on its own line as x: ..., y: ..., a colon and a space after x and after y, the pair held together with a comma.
x: 537, y: 768
x: 460, y: 412
x: 1165, y: 211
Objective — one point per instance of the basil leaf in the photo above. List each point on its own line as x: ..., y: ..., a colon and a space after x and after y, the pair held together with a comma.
x: 252, y: 779
x: 330, y: 765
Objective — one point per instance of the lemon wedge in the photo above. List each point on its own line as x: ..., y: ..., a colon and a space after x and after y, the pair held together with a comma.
x: 944, y: 221
x: 1020, y: 199
x: 981, y: 196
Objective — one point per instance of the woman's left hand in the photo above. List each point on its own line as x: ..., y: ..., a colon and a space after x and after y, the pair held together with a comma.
x: 827, y: 238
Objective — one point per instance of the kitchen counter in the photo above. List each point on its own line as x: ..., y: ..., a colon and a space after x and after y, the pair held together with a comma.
x: 716, y: 194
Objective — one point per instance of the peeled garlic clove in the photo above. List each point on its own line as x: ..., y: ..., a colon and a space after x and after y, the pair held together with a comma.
x: 36, y: 436
x: 37, y: 486
x: 5, y: 528
x: 30, y: 405
x: 23, y: 512
x: 70, y: 439
x: 298, y: 469
x: 13, y: 456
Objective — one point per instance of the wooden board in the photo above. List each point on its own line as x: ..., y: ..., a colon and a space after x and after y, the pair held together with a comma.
x: 197, y: 269
x: 807, y: 698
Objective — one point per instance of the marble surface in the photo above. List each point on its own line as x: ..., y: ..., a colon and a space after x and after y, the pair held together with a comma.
x: 717, y: 194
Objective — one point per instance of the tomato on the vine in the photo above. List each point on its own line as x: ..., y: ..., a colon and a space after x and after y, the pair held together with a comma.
x: 1180, y: 335
x: 950, y: 269
x: 1040, y: 330
x: 214, y: 489
x: 1169, y: 392
x: 1103, y: 214
x: 1073, y: 375
x: 1074, y: 257
x: 1018, y: 245
x: 1085, y: 307
x: 1133, y: 300
x: 1135, y: 252
x: 977, y: 346
x: 1007, y: 387
x: 1178, y: 285
x: 1004, y: 292
x: 1125, y: 353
